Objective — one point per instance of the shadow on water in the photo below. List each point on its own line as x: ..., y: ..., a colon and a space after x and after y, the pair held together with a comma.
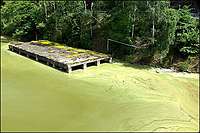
x: 61, y: 69
x: 5, y: 39
x: 41, y: 62
x: 133, y: 65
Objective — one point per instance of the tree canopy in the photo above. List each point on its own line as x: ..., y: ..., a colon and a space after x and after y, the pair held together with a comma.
x: 158, y: 31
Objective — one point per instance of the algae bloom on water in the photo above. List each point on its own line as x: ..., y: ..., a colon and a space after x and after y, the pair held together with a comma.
x: 114, y: 97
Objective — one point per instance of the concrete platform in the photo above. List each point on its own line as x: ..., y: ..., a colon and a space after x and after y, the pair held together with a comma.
x: 62, y: 57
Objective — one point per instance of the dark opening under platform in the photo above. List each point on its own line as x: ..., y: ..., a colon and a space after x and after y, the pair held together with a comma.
x: 59, y: 56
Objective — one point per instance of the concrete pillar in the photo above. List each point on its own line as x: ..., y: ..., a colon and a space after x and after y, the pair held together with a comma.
x: 53, y: 65
x: 19, y: 52
x: 36, y: 58
x: 47, y: 63
x: 27, y: 55
x: 98, y: 62
x: 110, y: 60
x: 84, y: 66
x: 69, y: 69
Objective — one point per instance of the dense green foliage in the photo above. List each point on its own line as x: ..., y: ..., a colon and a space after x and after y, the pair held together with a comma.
x: 159, y: 33
x: 187, y: 33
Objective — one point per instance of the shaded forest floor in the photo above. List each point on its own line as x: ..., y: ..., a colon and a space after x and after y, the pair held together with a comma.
x: 111, y: 97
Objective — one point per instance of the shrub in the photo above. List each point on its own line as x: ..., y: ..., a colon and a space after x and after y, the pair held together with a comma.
x: 183, y: 66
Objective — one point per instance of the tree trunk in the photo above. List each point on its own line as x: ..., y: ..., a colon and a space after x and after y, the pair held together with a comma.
x: 133, y: 26
x: 54, y: 6
x: 153, y: 28
x: 153, y: 32
x: 36, y: 36
x: 84, y: 2
x: 91, y: 24
x: 45, y: 10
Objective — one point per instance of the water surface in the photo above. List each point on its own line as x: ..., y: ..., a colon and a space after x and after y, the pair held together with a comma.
x: 110, y: 97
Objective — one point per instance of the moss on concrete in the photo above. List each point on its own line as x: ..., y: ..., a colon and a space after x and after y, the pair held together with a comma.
x: 67, y: 48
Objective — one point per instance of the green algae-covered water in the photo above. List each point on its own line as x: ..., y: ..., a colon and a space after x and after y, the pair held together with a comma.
x: 110, y: 97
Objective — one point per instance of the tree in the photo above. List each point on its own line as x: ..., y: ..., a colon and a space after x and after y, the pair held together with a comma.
x: 19, y: 19
x: 187, y: 33
x: 157, y: 32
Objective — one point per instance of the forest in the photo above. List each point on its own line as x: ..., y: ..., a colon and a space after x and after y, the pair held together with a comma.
x: 154, y: 33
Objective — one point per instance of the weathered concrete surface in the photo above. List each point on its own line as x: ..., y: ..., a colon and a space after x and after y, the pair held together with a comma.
x: 65, y: 55
x: 60, y: 56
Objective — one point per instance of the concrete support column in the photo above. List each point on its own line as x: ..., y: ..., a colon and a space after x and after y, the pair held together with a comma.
x: 84, y: 66
x: 110, y: 60
x: 36, y: 58
x: 98, y: 62
x: 53, y: 65
x: 69, y: 69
